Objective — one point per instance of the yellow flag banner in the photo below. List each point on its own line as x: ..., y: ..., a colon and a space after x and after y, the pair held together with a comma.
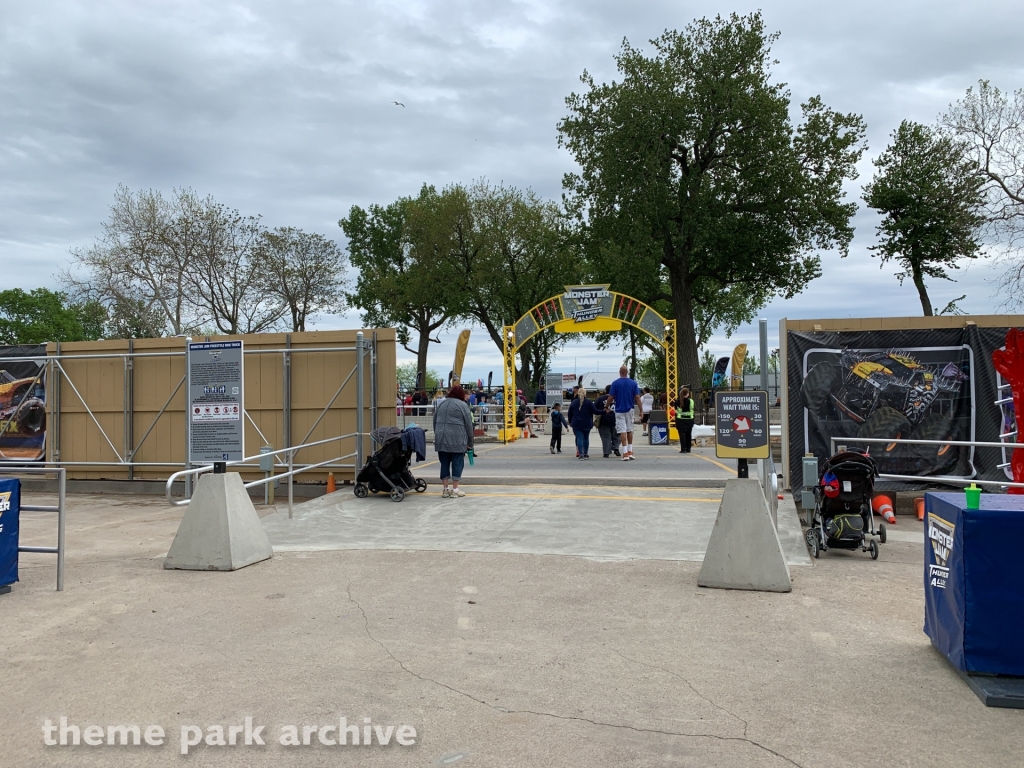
x: 460, y: 355
x: 739, y: 355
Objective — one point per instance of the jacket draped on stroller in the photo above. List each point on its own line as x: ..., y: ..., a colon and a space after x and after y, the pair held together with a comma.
x: 387, y: 470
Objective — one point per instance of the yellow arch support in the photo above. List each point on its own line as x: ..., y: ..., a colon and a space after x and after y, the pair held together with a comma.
x: 586, y: 309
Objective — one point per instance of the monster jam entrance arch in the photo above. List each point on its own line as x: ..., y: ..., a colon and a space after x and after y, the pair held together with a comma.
x: 586, y: 309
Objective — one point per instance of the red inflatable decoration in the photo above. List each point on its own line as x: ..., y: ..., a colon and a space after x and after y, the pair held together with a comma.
x: 1010, y: 364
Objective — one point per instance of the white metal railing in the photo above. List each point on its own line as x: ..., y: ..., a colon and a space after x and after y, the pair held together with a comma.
x: 289, y: 474
x: 944, y: 479
x: 59, y: 509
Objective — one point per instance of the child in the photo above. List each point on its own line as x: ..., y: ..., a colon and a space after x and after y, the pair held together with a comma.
x: 557, y: 423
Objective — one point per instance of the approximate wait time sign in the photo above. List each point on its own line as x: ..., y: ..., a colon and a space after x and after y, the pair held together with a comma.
x: 741, y: 425
x: 215, y: 401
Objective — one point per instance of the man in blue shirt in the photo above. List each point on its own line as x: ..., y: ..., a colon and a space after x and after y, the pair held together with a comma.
x: 625, y: 394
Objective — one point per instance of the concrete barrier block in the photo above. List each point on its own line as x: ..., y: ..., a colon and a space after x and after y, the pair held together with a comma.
x: 744, y: 551
x: 220, y: 530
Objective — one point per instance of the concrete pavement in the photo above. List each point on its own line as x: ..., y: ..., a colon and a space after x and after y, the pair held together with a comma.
x: 530, y: 657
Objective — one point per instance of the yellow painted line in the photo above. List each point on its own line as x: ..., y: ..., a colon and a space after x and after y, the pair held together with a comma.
x: 716, y: 463
x: 579, y: 496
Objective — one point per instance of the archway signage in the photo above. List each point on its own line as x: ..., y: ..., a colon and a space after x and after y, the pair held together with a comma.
x: 586, y: 309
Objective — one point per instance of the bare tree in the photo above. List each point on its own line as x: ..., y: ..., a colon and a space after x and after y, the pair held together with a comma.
x: 224, y: 279
x: 992, y: 125
x: 304, y: 271
x: 147, y: 247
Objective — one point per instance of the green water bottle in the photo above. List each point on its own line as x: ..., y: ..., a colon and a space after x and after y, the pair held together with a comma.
x: 973, y: 494
x: 469, y: 453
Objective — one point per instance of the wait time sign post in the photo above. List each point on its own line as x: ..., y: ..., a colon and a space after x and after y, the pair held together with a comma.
x: 741, y: 427
x: 215, y: 402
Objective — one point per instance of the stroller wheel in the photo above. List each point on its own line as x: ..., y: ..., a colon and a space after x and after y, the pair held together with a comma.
x: 360, y: 491
x: 881, y: 532
x: 421, y: 485
x: 397, y: 494
x: 873, y: 549
x: 815, y: 545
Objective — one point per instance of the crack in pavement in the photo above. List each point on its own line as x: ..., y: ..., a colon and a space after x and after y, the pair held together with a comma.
x: 688, y: 685
x: 503, y: 710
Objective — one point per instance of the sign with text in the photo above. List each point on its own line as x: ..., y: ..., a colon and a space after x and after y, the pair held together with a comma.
x: 10, y: 506
x: 741, y: 425
x: 215, y: 402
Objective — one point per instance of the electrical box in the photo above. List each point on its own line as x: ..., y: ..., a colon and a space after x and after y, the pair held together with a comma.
x: 266, y: 460
x: 810, y: 465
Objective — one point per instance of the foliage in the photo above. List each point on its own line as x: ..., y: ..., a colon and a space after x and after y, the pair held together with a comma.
x: 403, y: 281
x: 693, y: 176
x: 707, y: 369
x: 929, y: 192
x: 991, y: 124
x: 406, y: 373
x: 42, y: 315
x: 751, y: 364
x: 304, y: 271
x: 650, y: 371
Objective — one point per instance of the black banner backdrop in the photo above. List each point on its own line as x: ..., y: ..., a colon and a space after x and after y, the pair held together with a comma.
x: 23, y: 403
x: 936, y: 384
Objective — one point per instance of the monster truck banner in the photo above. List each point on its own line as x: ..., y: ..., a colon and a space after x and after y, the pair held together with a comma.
x: 932, y: 384
x: 23, y: 403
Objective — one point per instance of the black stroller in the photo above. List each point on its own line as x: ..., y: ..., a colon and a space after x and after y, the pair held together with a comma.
x: 842, y: 516
x: 387, y: 470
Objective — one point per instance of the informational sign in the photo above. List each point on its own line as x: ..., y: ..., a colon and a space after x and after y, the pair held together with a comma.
x: 215, y: 402
x: 554, y: 388
x: 741, y: 425
x: 10, y: 505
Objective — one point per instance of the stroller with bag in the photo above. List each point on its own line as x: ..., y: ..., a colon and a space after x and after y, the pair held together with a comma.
x: 842, y: 518
x: 387, y: 470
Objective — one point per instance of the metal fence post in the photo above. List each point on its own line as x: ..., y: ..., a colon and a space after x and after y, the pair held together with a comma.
x: 188, y: 423
x: 129, y: 409
x: 374, y: 418
x: 359, y: 400
x: 291, y: 462
x: 286, y: 394
x: 61, y: 506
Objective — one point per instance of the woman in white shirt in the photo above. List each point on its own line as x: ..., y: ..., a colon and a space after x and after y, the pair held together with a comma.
x: 646, y: 404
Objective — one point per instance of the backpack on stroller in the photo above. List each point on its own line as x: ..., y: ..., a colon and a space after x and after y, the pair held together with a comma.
x: 842, y: 506
x: 387, y: 470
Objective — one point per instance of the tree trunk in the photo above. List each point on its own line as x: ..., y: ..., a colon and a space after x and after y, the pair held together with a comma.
x: 423, y: 344
x: 926, y: 303
x: 632, y: 353
x: 686, y: 333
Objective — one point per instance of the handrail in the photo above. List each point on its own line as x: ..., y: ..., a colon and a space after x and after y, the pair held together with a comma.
x: 289, y: 474
x: 943, y: 479
x: 59, y: 509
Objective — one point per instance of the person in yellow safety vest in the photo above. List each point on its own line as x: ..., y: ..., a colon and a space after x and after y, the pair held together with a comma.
x: 684, y: 419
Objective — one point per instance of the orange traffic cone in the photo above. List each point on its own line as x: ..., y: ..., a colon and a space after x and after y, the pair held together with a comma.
x: 331, y: 487
x: 883, y: 506
x: 919, y: 507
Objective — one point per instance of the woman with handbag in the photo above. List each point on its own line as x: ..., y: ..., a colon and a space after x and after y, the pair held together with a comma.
x: 581, y: 418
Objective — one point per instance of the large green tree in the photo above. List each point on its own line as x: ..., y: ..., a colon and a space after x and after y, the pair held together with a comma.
x: 691, y: 165
x: 402, y: 280
x: 42, y: 315
x: 513, y: 251
x: 929, y: 192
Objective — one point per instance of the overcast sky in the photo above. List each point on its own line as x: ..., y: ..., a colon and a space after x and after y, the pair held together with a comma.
x: 284, y: 109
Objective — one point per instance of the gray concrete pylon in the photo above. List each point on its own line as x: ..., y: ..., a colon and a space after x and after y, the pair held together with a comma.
x: 744, y: 551
x: 220, y: 530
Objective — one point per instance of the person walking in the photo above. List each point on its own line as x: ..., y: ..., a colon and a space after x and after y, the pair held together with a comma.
x: 453, y: 436
x: 684, y: 406
x: 625, y: 396
x: 557, y: 423
x: 606, y: 425
x: 581, y: 417
x: 646, y: 406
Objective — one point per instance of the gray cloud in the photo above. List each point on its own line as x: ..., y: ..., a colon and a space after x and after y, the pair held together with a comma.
x: 285, y: 109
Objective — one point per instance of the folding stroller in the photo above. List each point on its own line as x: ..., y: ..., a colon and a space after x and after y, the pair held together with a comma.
x: 387, y: 470
x: 842, y: 516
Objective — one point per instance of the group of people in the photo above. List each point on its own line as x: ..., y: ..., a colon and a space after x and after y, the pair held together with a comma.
x: 612, y: 413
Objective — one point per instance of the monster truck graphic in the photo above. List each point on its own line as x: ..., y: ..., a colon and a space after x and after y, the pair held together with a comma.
x: 889, y: 394
x: 22, y: 407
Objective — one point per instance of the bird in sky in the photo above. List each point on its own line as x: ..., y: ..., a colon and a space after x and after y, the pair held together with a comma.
x: 399, y: 104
